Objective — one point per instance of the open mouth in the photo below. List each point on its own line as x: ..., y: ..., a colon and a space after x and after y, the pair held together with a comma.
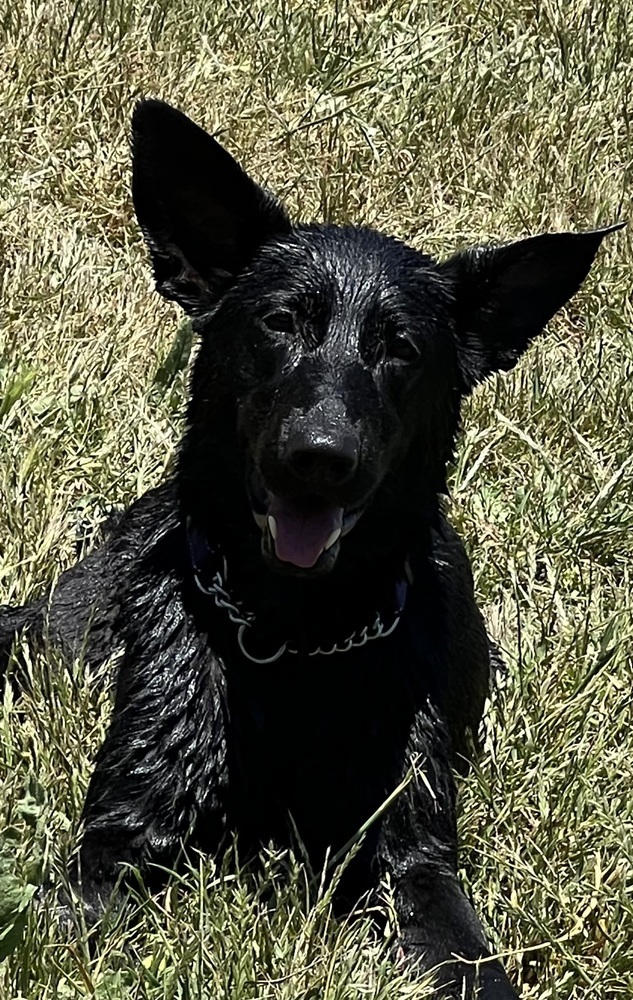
x: 304, y: 531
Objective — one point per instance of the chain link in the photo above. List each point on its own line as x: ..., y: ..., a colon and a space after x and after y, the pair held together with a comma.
x: 246, y: 619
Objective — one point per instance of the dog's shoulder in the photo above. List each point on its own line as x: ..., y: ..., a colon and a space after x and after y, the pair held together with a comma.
x: 80, y: 612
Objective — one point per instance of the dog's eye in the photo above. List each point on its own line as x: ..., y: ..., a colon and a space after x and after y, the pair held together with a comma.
x: 402, y: 348
x: 280, y: 321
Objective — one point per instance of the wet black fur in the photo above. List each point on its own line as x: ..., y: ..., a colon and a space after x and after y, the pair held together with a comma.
x: 351, y: 344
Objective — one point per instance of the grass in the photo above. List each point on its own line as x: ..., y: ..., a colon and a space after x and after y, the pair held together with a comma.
x: 446, y: 124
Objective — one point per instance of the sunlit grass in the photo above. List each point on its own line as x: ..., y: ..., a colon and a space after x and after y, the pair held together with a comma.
x: 446, y: 124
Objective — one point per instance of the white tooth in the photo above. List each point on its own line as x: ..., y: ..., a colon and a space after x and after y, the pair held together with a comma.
x: 272, y: 525
x: 334, y: 537
x: 260, y: 520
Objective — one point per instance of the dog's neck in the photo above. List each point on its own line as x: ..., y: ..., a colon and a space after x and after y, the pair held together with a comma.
x: 364, y: 593
x: 305, y: 619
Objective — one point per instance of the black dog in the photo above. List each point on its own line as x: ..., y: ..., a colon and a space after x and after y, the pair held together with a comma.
x: 296, y: 616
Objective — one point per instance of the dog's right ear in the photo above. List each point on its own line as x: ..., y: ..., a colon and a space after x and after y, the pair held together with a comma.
x: 202, y: 216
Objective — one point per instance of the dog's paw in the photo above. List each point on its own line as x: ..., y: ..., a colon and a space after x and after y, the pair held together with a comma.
x: 493, y: 983
x: 77, y: 910
x: 455, y: 980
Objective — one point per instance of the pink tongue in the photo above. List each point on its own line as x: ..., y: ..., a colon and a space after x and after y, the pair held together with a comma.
x: 302, y: 532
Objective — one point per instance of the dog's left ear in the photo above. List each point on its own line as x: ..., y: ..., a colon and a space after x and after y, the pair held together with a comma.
x: 202, y: 216
x: 504, y: 296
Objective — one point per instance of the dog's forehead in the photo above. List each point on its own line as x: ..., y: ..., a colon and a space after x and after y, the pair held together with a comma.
x: 354, y: 263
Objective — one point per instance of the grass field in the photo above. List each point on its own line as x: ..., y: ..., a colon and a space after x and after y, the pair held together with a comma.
x: 446, y: 124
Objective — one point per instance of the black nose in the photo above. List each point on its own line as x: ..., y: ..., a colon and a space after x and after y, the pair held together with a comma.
x: 319, y: 456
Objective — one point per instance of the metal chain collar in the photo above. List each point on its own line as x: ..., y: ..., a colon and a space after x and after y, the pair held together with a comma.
x: 216, y: 589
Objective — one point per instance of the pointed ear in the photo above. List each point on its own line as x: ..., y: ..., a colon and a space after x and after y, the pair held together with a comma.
x: 504, y: 296
x: 202, y: 217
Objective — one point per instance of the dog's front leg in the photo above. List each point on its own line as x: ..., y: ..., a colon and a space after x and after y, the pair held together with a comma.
x: 161, y: 769
x: 440, y: 931
x: 418, y: 850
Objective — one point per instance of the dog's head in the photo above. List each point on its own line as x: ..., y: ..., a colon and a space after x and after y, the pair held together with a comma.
x: 339, y: 356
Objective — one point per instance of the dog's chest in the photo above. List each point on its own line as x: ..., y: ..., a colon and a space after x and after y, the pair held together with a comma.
x: 315, y: 746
